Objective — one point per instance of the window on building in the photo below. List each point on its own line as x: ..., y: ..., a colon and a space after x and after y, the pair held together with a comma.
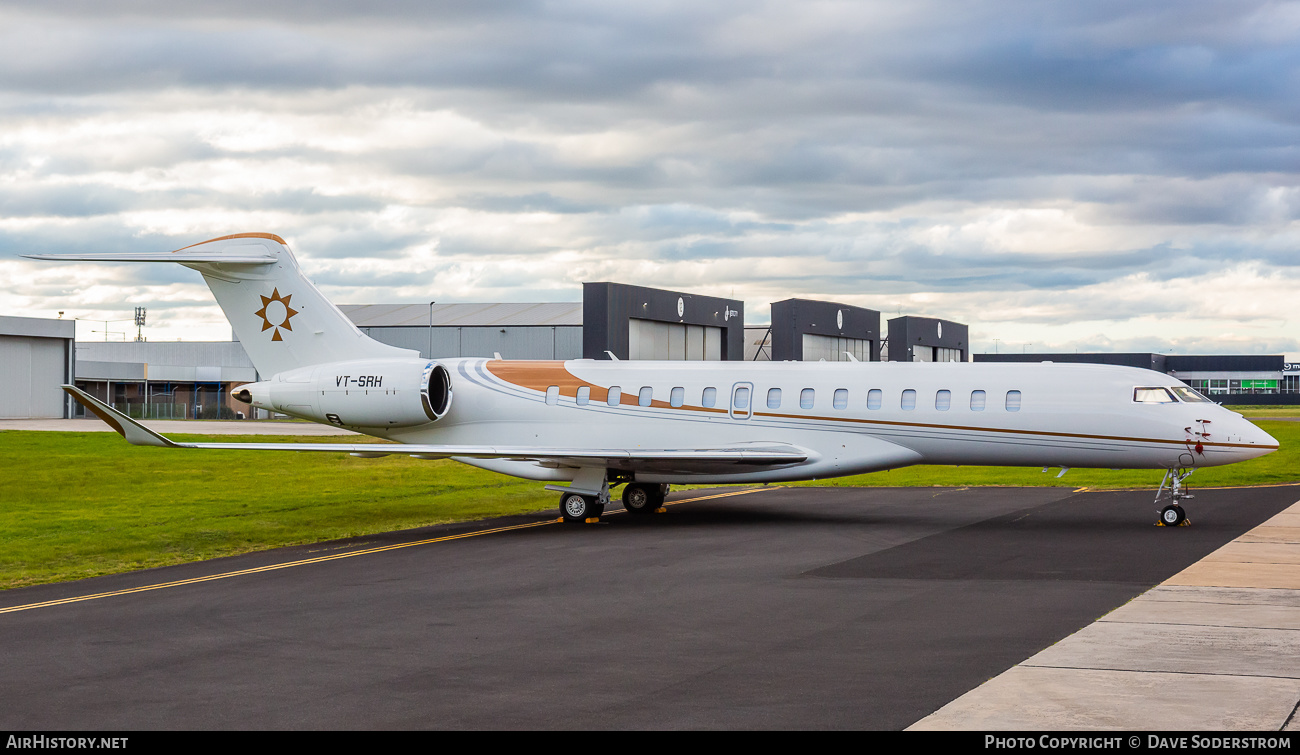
x: 908, y: 400
x: 943, y: 400
x: 773, y: 398
x: 873, y: 398
x: 1013, y: 401
x: 677, y: 397
x: 841, y: 398
x: 806, y: 397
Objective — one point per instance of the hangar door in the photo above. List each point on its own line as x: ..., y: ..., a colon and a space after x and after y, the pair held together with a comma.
x: 650, y: 339
x: 31, y: 370
x: 832, y: 348
x: 935, y: 354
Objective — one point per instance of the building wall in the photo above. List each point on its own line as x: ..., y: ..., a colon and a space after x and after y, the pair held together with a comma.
x: 511, y: 342
x: 31, y: 370
x: 36, y: 357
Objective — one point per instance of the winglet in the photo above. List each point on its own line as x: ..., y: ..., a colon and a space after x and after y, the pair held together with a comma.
x: 135, y: 433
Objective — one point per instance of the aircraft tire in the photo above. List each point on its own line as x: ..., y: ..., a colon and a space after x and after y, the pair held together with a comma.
x: 1172, y: 515
x: 579, y: 508
x: 641, y: 499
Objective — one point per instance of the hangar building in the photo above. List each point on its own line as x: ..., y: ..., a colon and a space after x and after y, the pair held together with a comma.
x: 165, y: 379
x: 926, y: 339
x: 515, y: 331
x: 36, y: 357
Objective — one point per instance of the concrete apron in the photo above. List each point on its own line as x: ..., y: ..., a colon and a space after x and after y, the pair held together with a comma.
x: 1215, y: 647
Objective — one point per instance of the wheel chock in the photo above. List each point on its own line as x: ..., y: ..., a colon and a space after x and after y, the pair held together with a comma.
x: 661, y: 510
x: 592, y: 520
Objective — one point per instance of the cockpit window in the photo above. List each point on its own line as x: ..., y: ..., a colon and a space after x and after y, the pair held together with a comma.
x: 1153, y: 396
x: 1190, y: 395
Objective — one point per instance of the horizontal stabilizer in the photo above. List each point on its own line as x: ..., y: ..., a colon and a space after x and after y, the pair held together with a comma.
x: 229, y: 258
x: 767, y: 454
x: 282, y: 321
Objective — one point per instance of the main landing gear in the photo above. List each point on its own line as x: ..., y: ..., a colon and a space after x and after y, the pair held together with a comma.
x: 1173, y: 492
x: 585, y: 499
x: 643, y: 498
x: 575, y: 507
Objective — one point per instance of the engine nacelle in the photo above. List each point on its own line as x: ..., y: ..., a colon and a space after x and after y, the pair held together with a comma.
x: 368, y: 393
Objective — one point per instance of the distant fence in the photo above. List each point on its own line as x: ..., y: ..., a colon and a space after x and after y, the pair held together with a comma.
x: 178, y: 410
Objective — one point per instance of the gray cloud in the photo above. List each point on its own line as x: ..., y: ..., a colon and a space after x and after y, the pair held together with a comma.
x: 889, y: 148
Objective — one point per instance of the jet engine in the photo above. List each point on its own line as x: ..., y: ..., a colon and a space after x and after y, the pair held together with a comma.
x: 368, y: 393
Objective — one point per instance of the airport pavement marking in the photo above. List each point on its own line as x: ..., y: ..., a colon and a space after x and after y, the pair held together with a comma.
x: 1209, y: 648
x: 335, y: 557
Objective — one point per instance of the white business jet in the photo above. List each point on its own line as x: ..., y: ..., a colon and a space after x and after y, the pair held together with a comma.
x: 584, y: 425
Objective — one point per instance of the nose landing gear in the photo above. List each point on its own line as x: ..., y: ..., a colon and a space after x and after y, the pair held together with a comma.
x: 1172, y: 493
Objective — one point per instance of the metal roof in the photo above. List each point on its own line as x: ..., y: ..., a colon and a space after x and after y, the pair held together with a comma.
x: 467, y: 315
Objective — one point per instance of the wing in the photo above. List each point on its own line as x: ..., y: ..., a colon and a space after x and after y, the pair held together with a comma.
x: 663, y: 459
x: 254, y: 258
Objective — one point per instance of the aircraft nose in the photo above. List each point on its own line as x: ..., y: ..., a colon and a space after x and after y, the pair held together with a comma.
x: 1252, y: 434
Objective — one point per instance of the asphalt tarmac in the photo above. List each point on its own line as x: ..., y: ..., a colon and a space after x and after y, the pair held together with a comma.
x: 806, y: 608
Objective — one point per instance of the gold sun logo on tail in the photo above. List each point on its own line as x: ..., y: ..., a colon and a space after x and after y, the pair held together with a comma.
x: 275, y: 313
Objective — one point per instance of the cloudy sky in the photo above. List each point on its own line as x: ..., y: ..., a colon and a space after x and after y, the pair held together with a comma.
x: 1062, y: 176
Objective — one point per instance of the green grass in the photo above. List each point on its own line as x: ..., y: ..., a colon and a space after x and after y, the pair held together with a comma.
x: 75, y: 505
x: 1266, y: 411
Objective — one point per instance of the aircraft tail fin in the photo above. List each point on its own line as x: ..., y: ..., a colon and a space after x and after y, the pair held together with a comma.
x: 280, y: 318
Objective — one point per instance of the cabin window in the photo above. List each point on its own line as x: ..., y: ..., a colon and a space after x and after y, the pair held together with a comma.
x: 615, y: 395
x: 908, y: 401
x: 873, y: 398
x: 709, y: 398
x: 773, y: 398
x: 977, y: 401
x: 1013, y: 401
x: 584, y: 395
x: 645, y: 396
x: 741, y: 399
x: 1190, y: 395
x: 943, y: 400
x: 553, y: 395
x: 841, y: 398
x: 806, y: 397
x: 677, y: 397
x: 1153, y: 396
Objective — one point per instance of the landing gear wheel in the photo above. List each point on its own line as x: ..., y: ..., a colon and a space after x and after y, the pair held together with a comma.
x: 642, y: 499
x: 579, y: 508
x: 1172, y: 515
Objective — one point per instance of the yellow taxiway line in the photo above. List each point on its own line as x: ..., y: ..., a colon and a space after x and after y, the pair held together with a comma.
x: 335, y: 557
